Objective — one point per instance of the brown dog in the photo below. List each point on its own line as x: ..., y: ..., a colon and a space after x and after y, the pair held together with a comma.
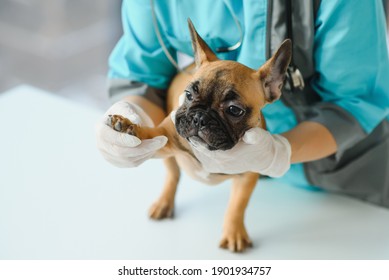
x: 223, y: 99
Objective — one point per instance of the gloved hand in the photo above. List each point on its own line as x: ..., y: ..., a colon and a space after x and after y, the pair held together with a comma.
x: 121, y: 149
x: 258, y: 151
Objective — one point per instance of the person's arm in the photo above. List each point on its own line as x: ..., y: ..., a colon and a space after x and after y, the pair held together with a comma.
x: 310, y: 141
x: 352, y: 70
x: 139, y: 70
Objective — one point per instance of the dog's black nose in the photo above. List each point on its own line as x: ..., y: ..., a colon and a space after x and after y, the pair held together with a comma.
x: 200, y: 119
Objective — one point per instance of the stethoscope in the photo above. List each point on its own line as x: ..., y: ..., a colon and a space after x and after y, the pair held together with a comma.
x: 222, y: 49
x: 294, y: 77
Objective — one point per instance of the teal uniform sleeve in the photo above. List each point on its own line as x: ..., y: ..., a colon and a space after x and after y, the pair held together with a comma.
x: 138, y: 56
x: 352, y: 68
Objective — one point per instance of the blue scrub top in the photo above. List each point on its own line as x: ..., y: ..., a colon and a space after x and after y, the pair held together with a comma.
x: 350, y: 52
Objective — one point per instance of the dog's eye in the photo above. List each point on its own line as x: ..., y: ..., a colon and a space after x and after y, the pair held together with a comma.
x: 189, y: 96
x: 195, y: 88
x: 235, y: 111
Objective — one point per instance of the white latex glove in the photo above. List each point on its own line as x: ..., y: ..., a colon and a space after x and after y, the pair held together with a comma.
x: 258, y: 151
x: 122, y: 149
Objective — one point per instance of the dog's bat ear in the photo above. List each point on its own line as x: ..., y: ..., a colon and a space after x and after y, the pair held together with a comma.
x: 272, y: 73
x: 202, y: 52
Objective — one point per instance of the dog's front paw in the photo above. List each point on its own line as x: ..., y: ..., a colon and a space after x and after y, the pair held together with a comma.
x: 122, y: 124
x: 162, y: 208
x: 235, y: 238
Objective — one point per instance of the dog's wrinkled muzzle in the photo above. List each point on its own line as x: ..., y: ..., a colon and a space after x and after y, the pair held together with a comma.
x: 204, y: 126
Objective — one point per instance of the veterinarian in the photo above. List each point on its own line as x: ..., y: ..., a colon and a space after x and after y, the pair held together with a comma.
x: 335, y: 103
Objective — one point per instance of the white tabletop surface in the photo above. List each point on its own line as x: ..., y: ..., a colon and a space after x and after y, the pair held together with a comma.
x: 59, y: 199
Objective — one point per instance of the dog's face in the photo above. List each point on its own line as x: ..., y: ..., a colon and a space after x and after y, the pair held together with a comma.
x: 225, y: 98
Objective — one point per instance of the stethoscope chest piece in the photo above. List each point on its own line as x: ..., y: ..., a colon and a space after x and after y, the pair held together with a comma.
x: 294, y: 78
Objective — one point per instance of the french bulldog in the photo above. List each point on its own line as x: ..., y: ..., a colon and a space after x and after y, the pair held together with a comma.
x: 222, y: 100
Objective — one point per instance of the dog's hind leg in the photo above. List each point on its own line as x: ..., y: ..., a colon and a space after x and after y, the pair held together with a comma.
x: 164, y: 206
